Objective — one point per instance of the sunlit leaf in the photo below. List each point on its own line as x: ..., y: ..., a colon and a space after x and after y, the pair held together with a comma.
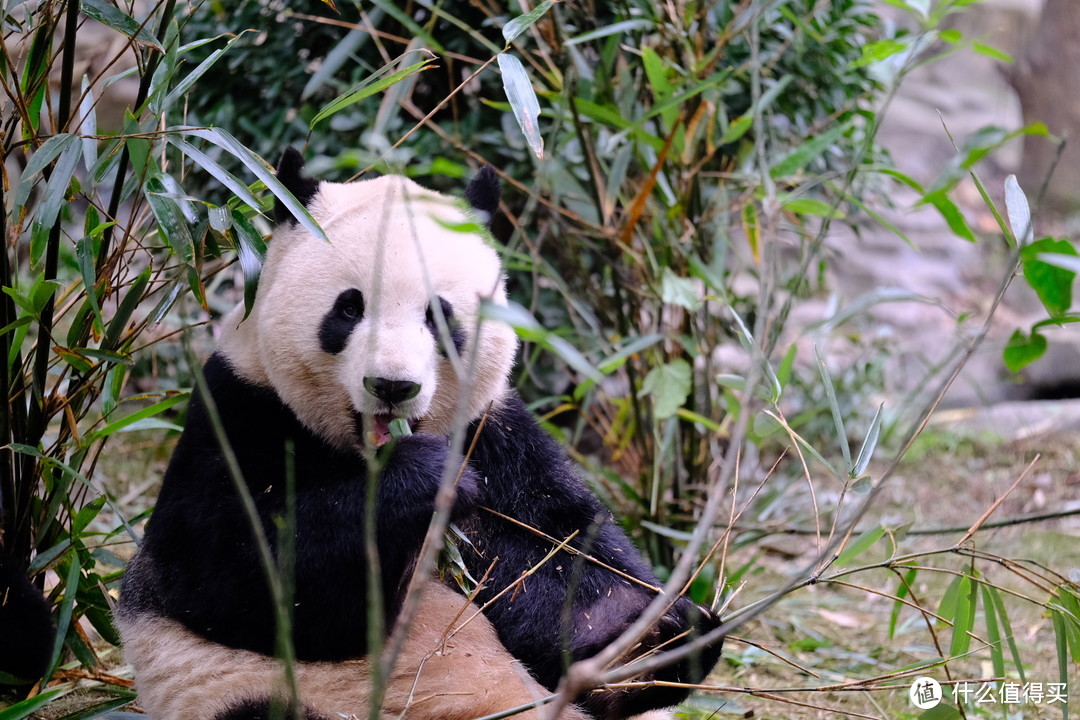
x: 523, y: 101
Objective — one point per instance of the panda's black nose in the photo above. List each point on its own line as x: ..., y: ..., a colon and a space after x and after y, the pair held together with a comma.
x: 391, y: 392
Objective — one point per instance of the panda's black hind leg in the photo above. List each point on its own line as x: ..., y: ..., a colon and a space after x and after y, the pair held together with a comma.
x: 266, y: 710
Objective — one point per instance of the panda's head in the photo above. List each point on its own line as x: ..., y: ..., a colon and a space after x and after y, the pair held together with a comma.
x: 381, y: 322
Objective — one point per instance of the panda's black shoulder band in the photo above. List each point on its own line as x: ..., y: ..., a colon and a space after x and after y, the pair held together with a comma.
x: 290, y: 171
x: 483, y: 192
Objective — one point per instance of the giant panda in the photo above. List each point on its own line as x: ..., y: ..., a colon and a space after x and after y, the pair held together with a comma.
x: 343, y: 338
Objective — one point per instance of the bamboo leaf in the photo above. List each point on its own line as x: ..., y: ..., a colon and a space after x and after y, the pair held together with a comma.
x: 256, y: 165
x: 800, y: 156
x: 861, y: 544
x: 370, y: 85
x: 250, y: 250
x: 619, y: 28
x: 834, y: 406
x: 951, y: 213
x: 201, y: 69
x: 26, y: 708
x: 993, y: 634
x: 529, y: 329
x: 41, y: 158
x: 53, y: 197
x: 963, y: 617
x: 171, y: 222
x: 67, y: 608
x: 815, y: 208
x: 118, y: 323
x: 219, y: 173
x: 124, y: 24
x: 902, y: 590
x: 521, y: 23
x: 1006, y: 629
x: 128, y: 420
x: 736, y: 129
x: 866, y: 451
x: 522, y: 97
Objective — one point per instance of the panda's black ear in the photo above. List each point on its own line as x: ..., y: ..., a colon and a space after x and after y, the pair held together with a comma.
x: 290, y: 171
x: 484, y: 191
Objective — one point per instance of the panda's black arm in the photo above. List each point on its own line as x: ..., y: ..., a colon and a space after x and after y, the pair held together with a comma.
x: 204, y: 552
x: 527, y: 476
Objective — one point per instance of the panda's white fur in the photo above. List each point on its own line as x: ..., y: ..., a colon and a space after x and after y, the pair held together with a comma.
x: 401, y: 245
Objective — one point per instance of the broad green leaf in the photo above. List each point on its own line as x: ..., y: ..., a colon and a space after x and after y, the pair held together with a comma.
x: 675, y: 290
x: 1052, y: 283
x: 1023, y: 350
x: 522, y: 97
x: 669, y: 385
x: 108, y: 14
x: 1069, y: 262
x: 521, y: 23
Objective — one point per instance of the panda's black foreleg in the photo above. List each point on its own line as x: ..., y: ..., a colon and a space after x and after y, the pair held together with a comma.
x: 568, y: 609
x: 405, y: 500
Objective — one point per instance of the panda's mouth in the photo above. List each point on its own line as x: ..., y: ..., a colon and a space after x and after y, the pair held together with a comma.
x: 380, y: 433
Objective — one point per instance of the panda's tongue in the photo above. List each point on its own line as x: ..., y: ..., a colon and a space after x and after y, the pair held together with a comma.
x: 380, y: 429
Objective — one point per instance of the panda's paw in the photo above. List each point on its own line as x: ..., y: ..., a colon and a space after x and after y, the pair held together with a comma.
x: 414, y: 471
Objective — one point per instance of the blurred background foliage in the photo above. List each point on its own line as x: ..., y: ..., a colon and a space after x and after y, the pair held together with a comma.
x: 694, y: 157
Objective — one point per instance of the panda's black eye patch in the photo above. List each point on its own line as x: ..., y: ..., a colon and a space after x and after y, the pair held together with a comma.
x: 457, y: 333
x: 338, y: 323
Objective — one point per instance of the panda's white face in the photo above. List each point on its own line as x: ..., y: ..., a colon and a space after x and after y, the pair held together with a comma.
x: 367, y: 325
